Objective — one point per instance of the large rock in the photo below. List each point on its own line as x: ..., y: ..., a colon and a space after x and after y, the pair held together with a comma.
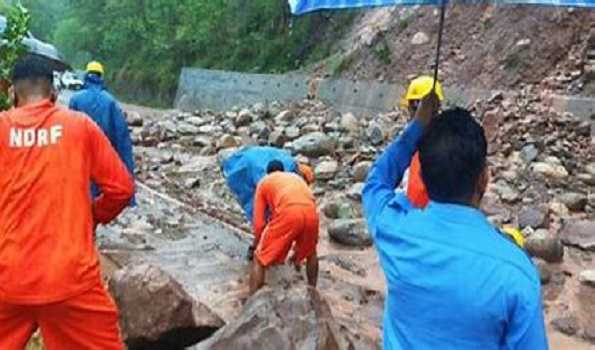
x: 549, y: 170
x: 349, y: 122
x: 420, y: 38
x: 580, y: 234
x: 360, y: 171
x: 586, y: 307
x: 532, y: 217
x: 326, y: 170
x: 351, y: 232
x: 376, y: 134
x: 574, y: 201
x: 314, y: 144
x: 297, y: 318
x: 529, y: 153
x: 156, y: 312
x: 134, y: 118
x: 546, y: 246
x: 244, y: 118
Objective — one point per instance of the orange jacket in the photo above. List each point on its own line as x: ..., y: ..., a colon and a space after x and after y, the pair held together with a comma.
x: 275, y: 192
x: 48, y: 157
x: 416, y: 189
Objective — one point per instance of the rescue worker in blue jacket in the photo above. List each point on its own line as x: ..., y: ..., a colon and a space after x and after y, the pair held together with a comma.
x: 95, y: 101
x: 454, y: 281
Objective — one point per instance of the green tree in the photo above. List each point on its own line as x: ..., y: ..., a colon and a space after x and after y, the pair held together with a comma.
x: 11, y: 46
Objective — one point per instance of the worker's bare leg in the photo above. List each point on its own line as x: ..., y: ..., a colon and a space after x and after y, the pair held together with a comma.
x: 257, y: 276
x: 312, y: 269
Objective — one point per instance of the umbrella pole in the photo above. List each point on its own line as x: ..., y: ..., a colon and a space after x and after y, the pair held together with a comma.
x: 440, y: 30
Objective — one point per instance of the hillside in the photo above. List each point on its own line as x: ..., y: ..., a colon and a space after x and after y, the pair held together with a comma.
x: 484, y: 46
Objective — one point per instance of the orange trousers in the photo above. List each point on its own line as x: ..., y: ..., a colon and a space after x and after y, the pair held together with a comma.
x: 295, y: 225
x: 88, y: 321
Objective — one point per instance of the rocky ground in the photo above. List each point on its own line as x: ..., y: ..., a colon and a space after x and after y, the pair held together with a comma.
x: 188, y: 224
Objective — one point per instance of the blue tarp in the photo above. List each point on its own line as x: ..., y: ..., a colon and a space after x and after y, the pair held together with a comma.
x: 246, y: 167
x: 299, y: 7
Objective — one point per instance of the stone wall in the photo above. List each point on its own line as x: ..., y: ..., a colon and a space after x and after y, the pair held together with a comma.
x: 221, y: 91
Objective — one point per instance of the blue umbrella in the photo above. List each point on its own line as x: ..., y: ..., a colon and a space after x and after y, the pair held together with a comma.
x: 300, y: 7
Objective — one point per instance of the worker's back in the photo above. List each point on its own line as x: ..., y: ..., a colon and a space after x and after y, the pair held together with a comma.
x: 454, y: 282
x: 97, y: 103
x: 282, y: 189
x: 49, y: 156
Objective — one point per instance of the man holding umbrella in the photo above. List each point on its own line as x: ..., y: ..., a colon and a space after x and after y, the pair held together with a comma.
x: 454, y: 282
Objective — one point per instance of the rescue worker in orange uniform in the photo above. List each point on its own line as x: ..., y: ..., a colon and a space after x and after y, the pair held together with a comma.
x: 418, y: 89
x: 49, y: 266
x: 292, y: 221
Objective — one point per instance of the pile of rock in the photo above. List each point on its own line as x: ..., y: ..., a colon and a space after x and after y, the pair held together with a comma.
x: 542, y: 165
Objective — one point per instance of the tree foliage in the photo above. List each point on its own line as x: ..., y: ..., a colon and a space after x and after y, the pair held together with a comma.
x: 11, y: 46
x: 147, y: 42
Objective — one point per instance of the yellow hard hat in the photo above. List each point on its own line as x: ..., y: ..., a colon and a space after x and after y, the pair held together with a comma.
x: 419, y: 88
x: 95, y: 67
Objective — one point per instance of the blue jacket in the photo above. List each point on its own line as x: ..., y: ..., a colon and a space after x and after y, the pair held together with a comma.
x: 102, y: 107
x: 454, y: 282
x: 244, y: 169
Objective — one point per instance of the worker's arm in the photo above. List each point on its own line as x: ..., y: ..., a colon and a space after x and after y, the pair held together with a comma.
x: 387, y: 172
x: 123, y: 142
x: 110, y: 174
x: 259, y: 211
x: 526, y: 327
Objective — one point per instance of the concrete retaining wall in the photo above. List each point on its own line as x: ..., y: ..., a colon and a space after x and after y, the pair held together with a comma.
x: 221, y: 91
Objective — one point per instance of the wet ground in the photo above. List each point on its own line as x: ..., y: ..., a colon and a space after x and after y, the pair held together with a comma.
x: 199, y: 236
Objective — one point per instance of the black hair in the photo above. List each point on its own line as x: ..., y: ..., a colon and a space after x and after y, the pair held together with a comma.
x: 453, y: 154
x: 275, y: 165
x: 32, y: 68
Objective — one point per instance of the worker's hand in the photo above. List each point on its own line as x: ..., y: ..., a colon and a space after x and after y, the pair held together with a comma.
x: 428, y: 108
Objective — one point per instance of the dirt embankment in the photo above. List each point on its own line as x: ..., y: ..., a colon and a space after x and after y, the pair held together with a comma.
x: 484, y: 46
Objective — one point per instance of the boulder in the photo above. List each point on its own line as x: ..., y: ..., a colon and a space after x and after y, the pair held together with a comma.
x: 187, y: 129
x: 349, y: 123
x: 156, y: 312
x: 586, y: 307
x: 376, y: 134
x: 326, y: 170
x: 292, y: 133
x: 360, y: 171
x: 552, y: 171
x: 566, y: 325
x: 420, y: 38
x: 338, y: 208
x: 285, y: 116
x: 277, y: 137
x: 134, y: 118
x: 314, y: 144
x: 351, y: 232
x: 542, y: 244
x: 228, y: 141
x: 532, y: 217
x: 545, y: 273
x: 355, y: 191
x: 244, y: 118
x: 587, y: 277
x: 529, y: 153
x: 574, y: 201
x: 580, y: 234
x: 297, y: 318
